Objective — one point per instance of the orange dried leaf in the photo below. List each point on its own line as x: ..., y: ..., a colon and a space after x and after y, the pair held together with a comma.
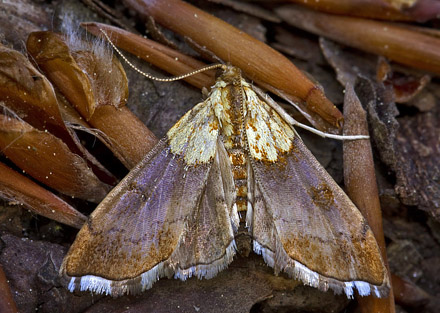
x: 28, y: 93
x: 261, y: 63
x: 397, y: 43
x: 14, y: 186
x: 47, y: 159
x: 52, y: 55
x: 377, y: 9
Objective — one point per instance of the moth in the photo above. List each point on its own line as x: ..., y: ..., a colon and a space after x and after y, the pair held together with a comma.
x: 233, y: 161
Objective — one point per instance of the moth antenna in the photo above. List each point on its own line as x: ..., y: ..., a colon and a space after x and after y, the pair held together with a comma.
x: 327, y: 135
x: 149, y: 76
x: 294, y: 122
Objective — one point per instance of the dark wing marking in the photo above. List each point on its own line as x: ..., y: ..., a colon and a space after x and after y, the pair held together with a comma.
x: 165, y: 218
x: 305, y: 225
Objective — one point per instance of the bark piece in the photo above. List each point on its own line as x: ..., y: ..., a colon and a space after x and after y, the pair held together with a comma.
x: 32, y: 269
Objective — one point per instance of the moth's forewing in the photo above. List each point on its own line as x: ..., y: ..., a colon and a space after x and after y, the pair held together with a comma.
x: 169, y: 216
x: 302, y: 222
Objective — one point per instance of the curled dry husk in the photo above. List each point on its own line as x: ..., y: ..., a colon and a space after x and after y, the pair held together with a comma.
x: 95, y: 83
x: 48, y: 159
x: 29, y: 98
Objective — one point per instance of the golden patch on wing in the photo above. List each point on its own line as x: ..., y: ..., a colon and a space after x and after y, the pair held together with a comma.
x: 194, y: 136
x: 268, y: 134
x: 322, y: 196
x: 220, y: 101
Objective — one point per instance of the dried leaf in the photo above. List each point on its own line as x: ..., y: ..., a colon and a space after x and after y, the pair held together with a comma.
x: 405, y: 86
x: 31, y: 96
x: 393, y: 10
x: 47, y: 159
x: 396, y: 43
x: 348, y: 65
x: 21, y: 189
x: 408, y: 293
x: 409, y: 146
x: 417, y: 165
x: 298, y: 46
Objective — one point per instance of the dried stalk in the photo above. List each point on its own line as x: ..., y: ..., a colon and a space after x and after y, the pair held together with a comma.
x: 360, y: 182
x: 19, y: 188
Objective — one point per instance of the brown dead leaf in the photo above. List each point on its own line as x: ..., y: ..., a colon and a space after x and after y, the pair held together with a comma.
x: 29, y: 94
x: 16, y: 187
x: 49, y: 160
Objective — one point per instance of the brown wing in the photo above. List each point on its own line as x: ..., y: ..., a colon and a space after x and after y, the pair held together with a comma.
x: 165, y: 218
x: 305, y: 225
x: 300, y: 220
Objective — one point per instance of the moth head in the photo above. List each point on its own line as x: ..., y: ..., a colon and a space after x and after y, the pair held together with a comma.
x: 230, y: 74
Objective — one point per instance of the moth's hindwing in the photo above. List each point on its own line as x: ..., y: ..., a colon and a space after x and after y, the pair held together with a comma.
x: 302, y: 222
x: 169, y: 216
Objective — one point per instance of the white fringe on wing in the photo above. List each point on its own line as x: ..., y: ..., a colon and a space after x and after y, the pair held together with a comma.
x: 280, y: 261
x: 208, y: 271
x: 147, y: 279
